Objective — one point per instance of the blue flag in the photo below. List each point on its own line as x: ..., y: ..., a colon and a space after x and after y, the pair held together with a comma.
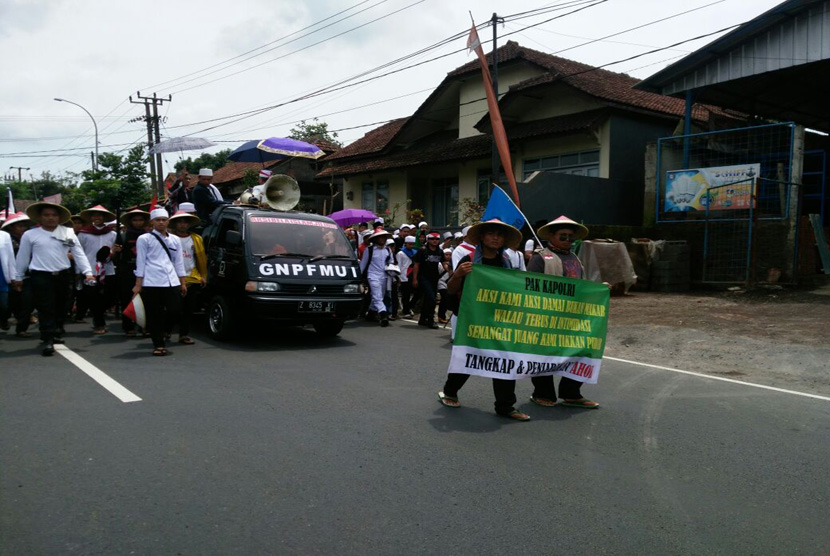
x: 502, y: 207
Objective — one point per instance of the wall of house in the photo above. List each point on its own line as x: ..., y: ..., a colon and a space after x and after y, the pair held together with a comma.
x: 472, y: 89
x: 560, y: 100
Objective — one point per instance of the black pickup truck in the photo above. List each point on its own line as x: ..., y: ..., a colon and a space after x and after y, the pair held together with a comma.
x: 290, y: 267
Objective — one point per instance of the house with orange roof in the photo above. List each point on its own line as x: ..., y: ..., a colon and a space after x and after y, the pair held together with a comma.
x: 577, y: 134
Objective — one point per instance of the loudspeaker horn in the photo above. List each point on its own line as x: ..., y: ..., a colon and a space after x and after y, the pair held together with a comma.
x: 281, y: 192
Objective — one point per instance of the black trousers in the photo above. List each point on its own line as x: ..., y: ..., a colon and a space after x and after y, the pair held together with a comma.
x: 444, y: 305
x: 50, y: 292
x: 190, y: 303
x: 407, y: 296
x: 21, y: 306
x: 428, y: 291
x: 94, y: 297
x: 568, y: 388
x: 163, y: 307
x: 504, y: 390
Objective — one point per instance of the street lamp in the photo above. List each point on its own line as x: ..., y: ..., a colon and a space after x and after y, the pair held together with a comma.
x: 94, y: 123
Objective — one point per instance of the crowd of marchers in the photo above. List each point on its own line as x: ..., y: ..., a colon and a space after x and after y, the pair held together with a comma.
x: 67, y: 268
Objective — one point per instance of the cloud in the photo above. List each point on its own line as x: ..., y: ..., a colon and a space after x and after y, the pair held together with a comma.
x: 23, y: 16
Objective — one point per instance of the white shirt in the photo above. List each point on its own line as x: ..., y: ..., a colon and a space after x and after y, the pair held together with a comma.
x: 42, y: 250
x: 377, y: 266
x: 188, y: 254
x: 92, y: 244
x: 215, y: 192
x: 6, y: 256
x: 517, y: 260
x: 460, y: 252
x: 530, y: 245
x: 404, y: 262
x: 152, y: 263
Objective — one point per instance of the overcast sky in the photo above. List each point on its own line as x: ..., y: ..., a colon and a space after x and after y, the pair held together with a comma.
x: 96, y: 53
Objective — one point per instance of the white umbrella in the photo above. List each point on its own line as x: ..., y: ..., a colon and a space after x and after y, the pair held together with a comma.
x: 177, y: 144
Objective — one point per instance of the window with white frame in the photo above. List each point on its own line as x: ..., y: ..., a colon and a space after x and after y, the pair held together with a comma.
x: 585, y: 163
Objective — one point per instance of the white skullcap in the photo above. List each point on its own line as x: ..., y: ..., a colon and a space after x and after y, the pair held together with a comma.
x: 389, y: 242
x: 206, y: 172
x: 424, y: 223
x: 447, y: 235
x: 265, y: 173
x: 158, y: 213
x: 464, y: 230
x: 409, y: 239
x: 458, y: 235
x: 187, y: 207
x: 447, y: 250
x: 379, y: 219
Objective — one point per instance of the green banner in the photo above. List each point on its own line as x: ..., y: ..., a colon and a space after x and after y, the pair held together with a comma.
x: 515, y: 324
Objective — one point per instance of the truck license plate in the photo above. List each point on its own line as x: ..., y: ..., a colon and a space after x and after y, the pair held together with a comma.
x: 316, y: 307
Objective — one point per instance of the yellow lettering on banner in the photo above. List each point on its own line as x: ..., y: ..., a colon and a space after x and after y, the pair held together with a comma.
x: 571, y: 341
x: 525, y: 337
x: 510, y: 317
x: 533, y: 302
x: 508, y: 298
x: 548, y: 340
x: 574, y: 325
x: 552, y: 304
x: 489, y: 333
x: 594, y: 342
x: 538, y: 321
x: 583, y: 308
x: 486, y: 296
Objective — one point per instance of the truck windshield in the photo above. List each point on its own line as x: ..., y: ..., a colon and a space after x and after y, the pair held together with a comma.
x: 273, y: 235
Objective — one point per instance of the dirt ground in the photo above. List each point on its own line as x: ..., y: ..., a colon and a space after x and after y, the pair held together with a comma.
x: 777, y: 337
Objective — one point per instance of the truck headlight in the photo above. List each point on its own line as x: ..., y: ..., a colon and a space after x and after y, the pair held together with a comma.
x: 351, y: 288
x: 267, y: 287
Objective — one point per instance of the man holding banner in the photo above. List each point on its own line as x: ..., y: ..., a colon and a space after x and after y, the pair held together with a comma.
x: 490, y: 237
x: 513, y: 325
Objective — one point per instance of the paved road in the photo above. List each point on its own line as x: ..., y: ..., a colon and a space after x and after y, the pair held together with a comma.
x: 286, y: 444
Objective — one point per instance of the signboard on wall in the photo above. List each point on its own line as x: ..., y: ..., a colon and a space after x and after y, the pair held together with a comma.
x: 718, y: 187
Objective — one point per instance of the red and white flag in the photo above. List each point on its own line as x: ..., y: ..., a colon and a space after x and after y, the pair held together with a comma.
x: 499, y: 134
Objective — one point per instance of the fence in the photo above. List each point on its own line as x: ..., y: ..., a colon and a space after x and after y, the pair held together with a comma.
x: 733, y: 187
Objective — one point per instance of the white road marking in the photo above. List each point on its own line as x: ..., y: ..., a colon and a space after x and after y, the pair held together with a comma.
x: 97, y: 375
x: 754, y: 385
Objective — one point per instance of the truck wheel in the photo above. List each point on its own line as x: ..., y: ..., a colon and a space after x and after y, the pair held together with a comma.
x: 221, y: 320
x: 329, y: 328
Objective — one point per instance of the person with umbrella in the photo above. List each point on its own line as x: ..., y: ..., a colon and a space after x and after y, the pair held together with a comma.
x: 43, y: 255
x: 182, y: 190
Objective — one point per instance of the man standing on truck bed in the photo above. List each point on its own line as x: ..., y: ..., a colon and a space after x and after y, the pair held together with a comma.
x: 206, y: 196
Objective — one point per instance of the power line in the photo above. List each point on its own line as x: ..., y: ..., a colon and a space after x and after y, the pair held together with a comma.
x: 259, y: 47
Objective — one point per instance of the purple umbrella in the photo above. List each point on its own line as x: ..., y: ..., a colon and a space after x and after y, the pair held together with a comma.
x: 290, y: 147
x: 347, y: 217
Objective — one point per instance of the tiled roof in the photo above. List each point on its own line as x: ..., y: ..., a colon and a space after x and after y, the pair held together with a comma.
x: 233, y: 171
x: 614, y: 88
x: 372, y: 142
x: 448, y: 149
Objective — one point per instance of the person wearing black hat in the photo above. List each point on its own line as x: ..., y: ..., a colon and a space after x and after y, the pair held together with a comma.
x: 425, y: 274
x: 491, y: 237
x: 558, y: 260
x: 124, y: 255
x: 44, y: 255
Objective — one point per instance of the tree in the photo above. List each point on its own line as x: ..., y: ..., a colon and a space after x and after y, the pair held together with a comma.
x: 204, y: 160
x: 119, y: 181
x: 313, y: 132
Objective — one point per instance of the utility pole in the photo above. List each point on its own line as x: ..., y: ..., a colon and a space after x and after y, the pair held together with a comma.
x: 496, y: 162
x: 153, y: 136
x: 19, y: 171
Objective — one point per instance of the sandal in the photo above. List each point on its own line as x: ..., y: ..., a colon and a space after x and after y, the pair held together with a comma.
x: 186, y: 341
x: 448, y: 401
x: 581, y: 402
x: 544, y: 402
x: 516, y: 415
x: 160, y: 352
x: 131, y: 333
x: 99, y: 331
